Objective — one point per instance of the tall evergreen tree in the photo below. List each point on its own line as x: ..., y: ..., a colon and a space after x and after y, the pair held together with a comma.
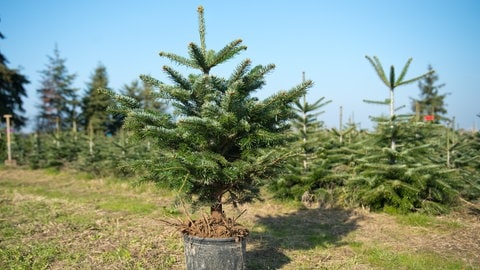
x: 431, y: 102
x: 220, y: 143
x: 58, y: 97
x: 12, y: 91
x: 94, y: 104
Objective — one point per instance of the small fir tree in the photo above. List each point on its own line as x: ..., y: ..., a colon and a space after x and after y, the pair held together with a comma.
x: 343, y: 149
x: 405, y: 176
x: 37, y: 157
x: 393, y: 82
x: 306, y: 124
x: 405, y: 179
x: 221, y: 142
x: 304, y: 167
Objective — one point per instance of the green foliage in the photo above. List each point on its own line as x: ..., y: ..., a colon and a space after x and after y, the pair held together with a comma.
x: 430, y: 101
x: 94, y: 105
x: 58, y: 97
x: 306, y: 167
x: 12, y: 92
x: 63, y: 150
x: 220, y: 142
x: 405, y: 178
x: 465, y: 157
x: 393, y: 83
x: 145, y: 95
x: 3, y: 146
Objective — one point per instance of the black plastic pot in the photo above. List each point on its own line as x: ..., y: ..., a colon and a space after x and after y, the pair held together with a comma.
x: 214, y: 253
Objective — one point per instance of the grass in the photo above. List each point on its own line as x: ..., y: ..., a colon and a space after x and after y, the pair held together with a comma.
x: 30, y: 256
x: 59, y: 220
x: 388, y: 259
x: 421, y: 220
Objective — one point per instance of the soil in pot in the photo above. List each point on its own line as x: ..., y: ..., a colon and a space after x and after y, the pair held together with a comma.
x: 214, y: 226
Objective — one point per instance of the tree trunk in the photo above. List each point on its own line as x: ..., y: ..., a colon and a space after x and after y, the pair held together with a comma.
x: 216, y: 211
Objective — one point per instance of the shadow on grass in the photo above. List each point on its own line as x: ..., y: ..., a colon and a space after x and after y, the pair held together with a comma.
x: 474, y: 211
x: 304, y: 229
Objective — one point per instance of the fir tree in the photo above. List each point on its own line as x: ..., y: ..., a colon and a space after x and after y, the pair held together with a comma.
x: 465, y: 157
x: 306, y: 124
x: 303, y: 168
x: 220, y: 143
x: 405, y: 176
x: 94, y: 105
x: 144, y: 94
x: 98, y: 159
x: 58, y: 97
x: 37, y: 156
x: 12, y: 92
x: 393, y: 82
x: 343, y: 149
x: 430, y: 101
x: 406, y: 179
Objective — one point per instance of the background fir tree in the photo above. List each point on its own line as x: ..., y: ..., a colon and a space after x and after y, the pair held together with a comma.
x: 148, y: 100
x: 431, y: 102
x: 306, y: 124
x: 465, y: 157
x: 220, y: 143
x: 343, y: 149
x: 58, y: 97
x: 63, y: 149
x: 99, y: 158
x: 12, y: 92
x: 405, y: 179
x: 304, y: 167
x: 398, y: 169
x: 144, y: 94
x: 393, y: 82
x: 37, y: 153
x: 94, y: 105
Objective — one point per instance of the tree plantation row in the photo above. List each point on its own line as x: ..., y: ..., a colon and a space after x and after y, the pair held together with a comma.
x: 432, y: 168
x: 217, y: 143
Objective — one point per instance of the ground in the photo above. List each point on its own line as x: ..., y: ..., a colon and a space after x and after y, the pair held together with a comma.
x: 64, y: 220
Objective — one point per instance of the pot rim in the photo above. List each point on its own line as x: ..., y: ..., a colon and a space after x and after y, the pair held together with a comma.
x: 214, y: 239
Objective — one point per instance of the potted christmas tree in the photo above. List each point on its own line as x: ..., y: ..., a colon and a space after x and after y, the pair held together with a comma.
x: 217, y: 146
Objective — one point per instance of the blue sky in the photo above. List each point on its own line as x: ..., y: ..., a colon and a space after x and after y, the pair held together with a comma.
x: 328, y: 40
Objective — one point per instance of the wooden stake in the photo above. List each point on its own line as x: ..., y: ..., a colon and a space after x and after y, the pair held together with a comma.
x: 9, y: 160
